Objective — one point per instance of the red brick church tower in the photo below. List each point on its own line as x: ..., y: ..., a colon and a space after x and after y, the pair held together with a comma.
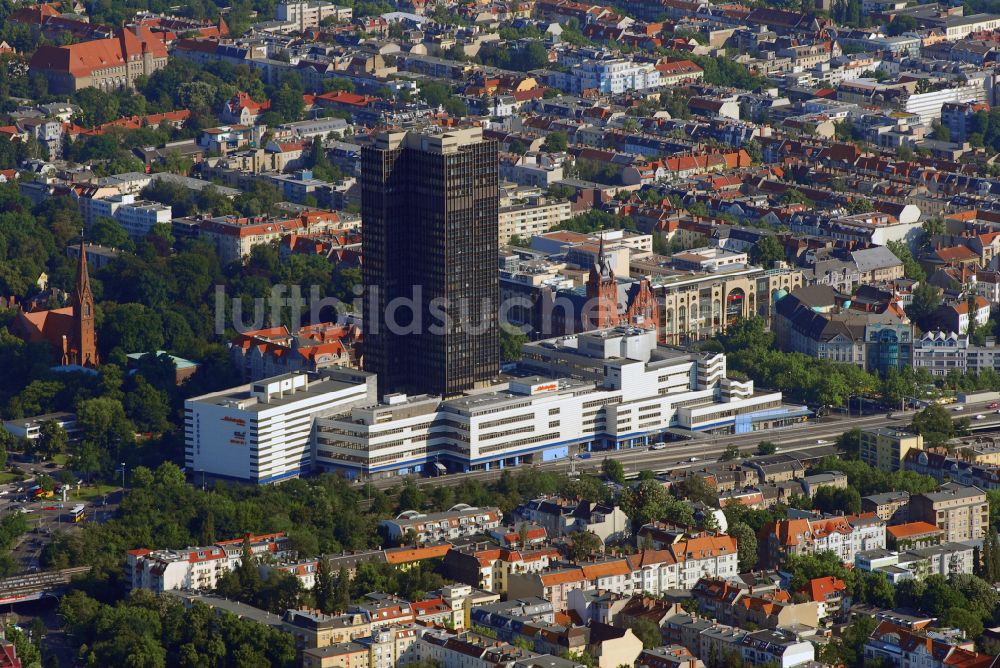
x: 602, y: 293
x: 83, y: 344
x: 610, y: 303
x: 68, y: 331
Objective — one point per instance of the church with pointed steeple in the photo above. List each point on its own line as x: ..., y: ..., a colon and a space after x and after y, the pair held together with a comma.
x: 606, y: 300
x: 69, y: 331
x: 602, y: 291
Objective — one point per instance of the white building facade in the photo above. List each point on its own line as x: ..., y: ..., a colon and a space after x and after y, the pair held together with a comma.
x: 262, y: 432
x: 613, y: 76
x: 137, y: 217
x: 608, y: 389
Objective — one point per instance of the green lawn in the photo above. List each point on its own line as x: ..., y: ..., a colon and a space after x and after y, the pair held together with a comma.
x: 91, y: 492
x: 7, y: 476
x: 61, y: 459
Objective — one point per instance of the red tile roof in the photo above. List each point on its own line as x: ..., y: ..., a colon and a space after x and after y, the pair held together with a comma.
x: 85, y: 58
x: 912, y: 529
x: 822, y: 588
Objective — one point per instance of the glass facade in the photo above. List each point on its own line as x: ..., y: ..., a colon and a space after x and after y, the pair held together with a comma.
x: 430, y: 211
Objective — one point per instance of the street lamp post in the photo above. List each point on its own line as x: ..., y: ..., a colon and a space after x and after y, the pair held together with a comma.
x: 123, y: 477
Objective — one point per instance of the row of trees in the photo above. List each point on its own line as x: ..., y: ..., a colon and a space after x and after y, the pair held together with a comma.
x: 160, y: 631
x: 866, y: 480
x: 751, y: 350
x: 750, y: 347
x: 321, y: 515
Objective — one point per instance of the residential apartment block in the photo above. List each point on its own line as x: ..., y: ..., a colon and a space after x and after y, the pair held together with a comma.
x: 490, y: 568
x: 844, y: 536
x: 137, y: 217
x: 706, y: 639
x: 106, y: 64
x: 274, y: 351
x: 560, y: 517
x: 611, y: 75
x: 676, y: 566
x: 462, y: 520
x: 535, y: 216
x: 961, y: 511
x: 941, y: 353
x: 885, y: 448
x: 310, y: 13
x: 897, y: 645
x: 890, y: 507
x: 197, y: 567
x: 818, y: 322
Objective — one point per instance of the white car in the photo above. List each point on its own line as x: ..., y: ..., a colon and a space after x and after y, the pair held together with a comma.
x: 980, y: 417
x: 958, y: 408
x: 658, y: 446
x: 820, y: 441
x: 693, y: 459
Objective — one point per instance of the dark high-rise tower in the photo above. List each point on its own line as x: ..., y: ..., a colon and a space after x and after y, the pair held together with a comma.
x: 429, y: 208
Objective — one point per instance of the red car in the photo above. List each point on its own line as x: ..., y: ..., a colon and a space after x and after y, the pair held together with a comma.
x: 994, y: 405
x: 50, y: 508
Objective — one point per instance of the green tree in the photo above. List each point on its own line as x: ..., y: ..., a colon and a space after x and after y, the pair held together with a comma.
x: 859, y: 205
x: 805, y: 568
x: 767, y: 251
x: 52, y: 439
x: 323, y: 588
x: 134, y: 328
x: 746, y: 545
x: 648, y: 632
x: 935, y: 424
x: 851, y: 646
x: 850, y: 443
x: 766, y: 448
x: 964, y: 619
x: 147, y: 407
x: 109, y: 232
x: 511, y: 342
x: 279, y: 592
x: 246, y: 571
x: 941, y: 133
x: 523, y: 535
x: 556, y: 142
x: 695, y: 488
x: 832, y: 501
x: 648, y: 502
x: 613, y: 470
x: 585, y: 544
x: 731, y: 453
x: 901, y: 24
x: 342, y: 590
x: 103, y: 422
x: 794, y: 196
x: 897, y: 385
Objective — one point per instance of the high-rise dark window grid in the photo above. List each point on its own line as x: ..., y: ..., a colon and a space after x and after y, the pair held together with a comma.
x: 430, y: 219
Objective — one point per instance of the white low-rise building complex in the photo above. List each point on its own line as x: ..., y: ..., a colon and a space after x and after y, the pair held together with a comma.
x: 262, y: 432
x: 607, y: 389
x: 137, y: 217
